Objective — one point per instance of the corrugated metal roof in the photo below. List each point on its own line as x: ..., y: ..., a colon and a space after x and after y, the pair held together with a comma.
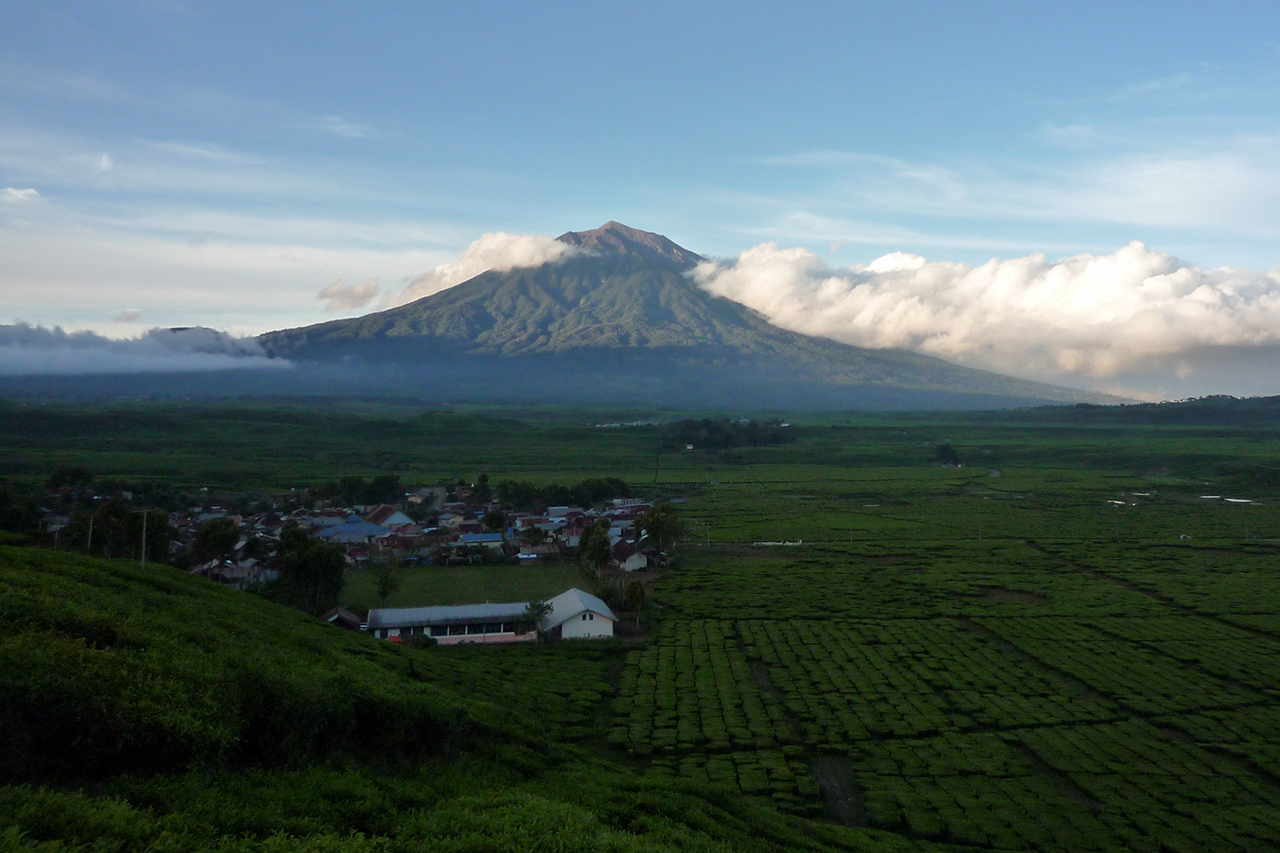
x: 353, y: 528
x: 414, y: 617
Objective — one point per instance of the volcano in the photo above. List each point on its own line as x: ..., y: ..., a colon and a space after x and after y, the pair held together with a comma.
x: 619, y: 321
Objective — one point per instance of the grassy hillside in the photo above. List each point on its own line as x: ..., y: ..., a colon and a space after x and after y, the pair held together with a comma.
x: 145, y: 709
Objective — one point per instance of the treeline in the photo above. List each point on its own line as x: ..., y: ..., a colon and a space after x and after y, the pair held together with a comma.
x: 526, y: 496
x: 1217, y: 410
x: 352, y: 491
x: 724, y: 434
x: 19, y: 508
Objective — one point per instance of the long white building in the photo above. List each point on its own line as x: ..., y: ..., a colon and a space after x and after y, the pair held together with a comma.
x: 572, y: 614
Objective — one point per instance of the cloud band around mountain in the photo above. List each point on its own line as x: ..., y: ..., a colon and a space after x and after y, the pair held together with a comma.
x: 496, y: 251
x: 1087, y: 315
x: 27, y: 350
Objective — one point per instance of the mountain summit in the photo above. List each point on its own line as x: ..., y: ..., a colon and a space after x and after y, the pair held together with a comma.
x: 616, y: 238
x: 622, y: 322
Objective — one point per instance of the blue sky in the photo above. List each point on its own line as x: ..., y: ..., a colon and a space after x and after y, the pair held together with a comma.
x: 222, y: 163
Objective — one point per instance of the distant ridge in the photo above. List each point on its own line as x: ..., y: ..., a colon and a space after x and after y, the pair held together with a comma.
x: 622, y: 322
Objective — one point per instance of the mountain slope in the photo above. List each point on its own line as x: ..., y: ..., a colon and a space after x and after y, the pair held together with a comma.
x: 625, y: 301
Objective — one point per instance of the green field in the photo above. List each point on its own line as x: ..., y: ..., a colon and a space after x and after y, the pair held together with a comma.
x: 429, y: 585
x: 1063, y: 645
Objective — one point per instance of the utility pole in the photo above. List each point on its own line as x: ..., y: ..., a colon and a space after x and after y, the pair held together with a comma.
x: 144, y: 535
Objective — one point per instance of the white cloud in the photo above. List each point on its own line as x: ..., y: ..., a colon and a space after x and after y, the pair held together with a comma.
x: 105, y: 163
x: 38, y: 351
x: 339, y: 126
x: 497, y: 251
x: 349, y: 297
x: 1150, y: 178
x: 1082, y: 316
x: 13, y: 195
x: 206, y: 152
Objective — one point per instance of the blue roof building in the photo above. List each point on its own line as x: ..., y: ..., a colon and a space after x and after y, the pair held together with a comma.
x: 354, y: 531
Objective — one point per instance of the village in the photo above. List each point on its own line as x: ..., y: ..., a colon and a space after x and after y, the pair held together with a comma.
x: 614, y: 538
x: 300, y: 547
x: 458, y: 532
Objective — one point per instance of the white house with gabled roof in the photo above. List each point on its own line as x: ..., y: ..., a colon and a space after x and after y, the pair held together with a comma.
x: 575, y: 614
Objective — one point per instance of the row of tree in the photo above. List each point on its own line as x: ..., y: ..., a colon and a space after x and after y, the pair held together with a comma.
x: 724, y: 434
x: 356, y: 491
x: 522, y: 495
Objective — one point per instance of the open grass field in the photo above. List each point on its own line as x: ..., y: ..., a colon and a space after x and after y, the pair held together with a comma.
x: 1070, y: 643
x: 430, y: 585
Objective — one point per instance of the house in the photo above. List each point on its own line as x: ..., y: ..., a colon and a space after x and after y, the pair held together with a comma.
x: 387, y: 515
x: 572, y: 536
x: 342, y: 618
x: 492, y: 541
x: 629, y: 558
x: 575, y: 614
x: 466, y: 623
x: 354, y: 531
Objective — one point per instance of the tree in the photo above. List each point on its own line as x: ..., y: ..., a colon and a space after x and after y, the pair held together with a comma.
x: 661, y: 525
x: 533, y: 617
x: 632, y: 594
x: 384, y: 489
x: 494, y: 521
x: 480, y: 492
x: 75, y: 476
x: 114, y: 529
x: 216, y: 538
x: 311, y: 571
x: 388, y: 582
x: 946, y: 455
x: 594, y: 548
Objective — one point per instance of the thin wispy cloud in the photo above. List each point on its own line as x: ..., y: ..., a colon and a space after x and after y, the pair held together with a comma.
x: 208, y: 152
x: 33, y: 79
x: 1227, y: 185
x: 341, y: 296
x: 339, y: 126
x: 14, y: 195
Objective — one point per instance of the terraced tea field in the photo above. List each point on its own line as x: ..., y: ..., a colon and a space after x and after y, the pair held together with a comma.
x: 1070, y: 643
x: 1044, y: 660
